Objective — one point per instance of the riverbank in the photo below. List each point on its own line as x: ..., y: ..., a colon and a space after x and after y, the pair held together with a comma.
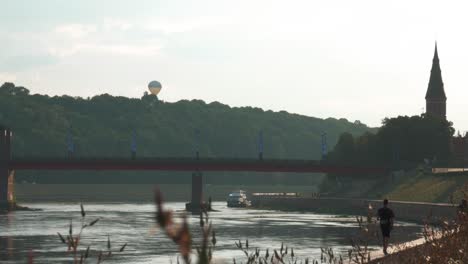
x: 408, y: 211
x: 137, y: 192
x: 420, y: 187
x: 5, y: 208
x: 414, y: 186
x: 448, y: 243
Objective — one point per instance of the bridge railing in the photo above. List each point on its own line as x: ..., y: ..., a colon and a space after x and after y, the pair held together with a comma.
x: 168, y: 159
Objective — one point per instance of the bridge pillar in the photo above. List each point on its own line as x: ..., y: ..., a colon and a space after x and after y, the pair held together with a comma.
x: 3, y: 186
x: 196, y: 202
x: 6, y: 176
x: 197, y: 188
x: 11, y: 188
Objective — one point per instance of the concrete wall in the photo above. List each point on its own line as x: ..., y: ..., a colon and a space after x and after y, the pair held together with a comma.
x: 408, y: 211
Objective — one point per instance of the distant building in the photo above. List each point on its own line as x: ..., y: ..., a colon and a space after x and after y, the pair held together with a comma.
x: 436, y: 106
x: 460, y: 148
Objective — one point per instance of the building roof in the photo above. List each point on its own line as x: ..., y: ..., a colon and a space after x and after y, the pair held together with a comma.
x: 435, y: 89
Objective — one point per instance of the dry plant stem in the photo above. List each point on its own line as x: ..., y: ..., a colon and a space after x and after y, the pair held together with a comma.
x: 73, y: 241
x: 179, y: 233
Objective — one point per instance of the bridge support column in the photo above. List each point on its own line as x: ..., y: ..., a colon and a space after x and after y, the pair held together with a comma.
x: 3, y: 186
x: 6, y: 176
x: 196, y: 202
x: 11, y: 188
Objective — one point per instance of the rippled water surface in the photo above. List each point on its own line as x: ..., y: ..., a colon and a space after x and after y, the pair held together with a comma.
x: 35, y: 232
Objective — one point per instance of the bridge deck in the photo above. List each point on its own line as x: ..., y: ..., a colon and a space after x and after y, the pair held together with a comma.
x: 187, y: 164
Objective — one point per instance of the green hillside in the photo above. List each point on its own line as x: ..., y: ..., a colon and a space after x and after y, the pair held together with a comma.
x: 102, y: 126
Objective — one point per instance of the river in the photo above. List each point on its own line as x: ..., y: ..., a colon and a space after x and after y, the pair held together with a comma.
x: 34, y: 233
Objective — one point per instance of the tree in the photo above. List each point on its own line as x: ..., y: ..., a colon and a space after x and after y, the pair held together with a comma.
x: 401, y: 140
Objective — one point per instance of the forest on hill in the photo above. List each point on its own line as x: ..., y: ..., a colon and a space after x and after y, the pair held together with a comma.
x: 103, y: 126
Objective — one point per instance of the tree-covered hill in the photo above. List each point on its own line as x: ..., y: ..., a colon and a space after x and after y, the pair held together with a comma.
x: 103, y: 126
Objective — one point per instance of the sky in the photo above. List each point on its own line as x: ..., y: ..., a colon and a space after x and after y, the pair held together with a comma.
x: 359, y: 60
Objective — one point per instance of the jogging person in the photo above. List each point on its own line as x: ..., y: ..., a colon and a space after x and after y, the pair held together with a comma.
x: 386, y: 223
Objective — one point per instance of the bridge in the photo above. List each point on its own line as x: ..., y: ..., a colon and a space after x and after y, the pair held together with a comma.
x: 9, y: 164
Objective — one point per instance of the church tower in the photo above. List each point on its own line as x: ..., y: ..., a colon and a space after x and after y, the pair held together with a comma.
x: 435, y: 95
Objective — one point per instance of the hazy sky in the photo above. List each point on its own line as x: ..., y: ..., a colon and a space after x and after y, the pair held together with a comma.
x: 361, y: 60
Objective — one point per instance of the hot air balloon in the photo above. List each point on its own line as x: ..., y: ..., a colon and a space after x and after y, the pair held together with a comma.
x: 154, y: 87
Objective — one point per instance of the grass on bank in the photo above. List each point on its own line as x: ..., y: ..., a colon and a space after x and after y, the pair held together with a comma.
x: 429, y: 188
x: 412, y: 186
x: 423, y: 189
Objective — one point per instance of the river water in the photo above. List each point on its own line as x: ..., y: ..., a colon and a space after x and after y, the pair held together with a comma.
x: 34, y: 233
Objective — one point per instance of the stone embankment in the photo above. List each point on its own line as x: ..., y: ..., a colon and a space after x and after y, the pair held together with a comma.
x: 5, y: 208
x: 409, y: 211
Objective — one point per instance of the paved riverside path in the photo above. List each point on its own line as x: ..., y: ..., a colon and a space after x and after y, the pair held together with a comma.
x: 448, y: 170
x: 400, y: 251
x: 378, y: 257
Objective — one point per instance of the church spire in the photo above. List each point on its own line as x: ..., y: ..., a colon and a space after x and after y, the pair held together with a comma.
x: 435, y: 95
x: 435, y: 89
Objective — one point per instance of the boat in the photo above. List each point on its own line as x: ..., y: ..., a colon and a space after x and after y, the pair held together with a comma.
x: 238, y: 199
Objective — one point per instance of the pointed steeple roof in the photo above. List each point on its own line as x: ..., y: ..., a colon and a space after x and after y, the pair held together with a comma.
x: 436, y: 54
x: 435, y: 89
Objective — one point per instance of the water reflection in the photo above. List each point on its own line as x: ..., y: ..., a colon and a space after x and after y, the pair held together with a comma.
x: 22, y: 232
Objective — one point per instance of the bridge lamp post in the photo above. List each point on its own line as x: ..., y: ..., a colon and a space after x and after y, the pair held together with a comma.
x: 70, y: 144
x: 324, y: 147
x: 197, y: 144
x: 260, y: 145
x: 396, y: 156
x: 464, y: 147
x: 133, y: 145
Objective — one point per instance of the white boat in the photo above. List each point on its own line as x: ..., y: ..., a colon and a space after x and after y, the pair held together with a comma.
x: 238, y: 199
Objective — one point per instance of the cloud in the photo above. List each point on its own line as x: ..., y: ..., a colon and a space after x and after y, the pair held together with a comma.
x: 102, y: 38
x: 169, y: 26
x: 7, y: 77
x: 97, y: 48
x: 25, y: 62
x: 115, y: 36
x: 76, y: 31
x: 111, y: 24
